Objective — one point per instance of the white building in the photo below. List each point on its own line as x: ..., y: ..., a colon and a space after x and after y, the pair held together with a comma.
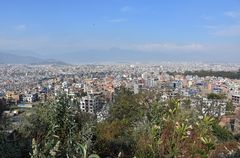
x: 136, y: 88
x: 236, y: 99
x: 30, y: 98
x: 91, y: 103
x: 211, y: 107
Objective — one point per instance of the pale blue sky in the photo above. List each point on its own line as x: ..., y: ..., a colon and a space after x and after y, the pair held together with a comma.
x: 62, y: 26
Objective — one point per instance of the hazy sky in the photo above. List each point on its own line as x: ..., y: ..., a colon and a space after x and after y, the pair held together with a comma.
x: 51, y: 26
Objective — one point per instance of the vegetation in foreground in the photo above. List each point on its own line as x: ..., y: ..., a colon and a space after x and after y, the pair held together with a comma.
x: 137, y: 126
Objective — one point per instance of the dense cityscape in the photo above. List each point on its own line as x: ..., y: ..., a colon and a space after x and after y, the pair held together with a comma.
x: 120, y: 79
x: 95, y: 90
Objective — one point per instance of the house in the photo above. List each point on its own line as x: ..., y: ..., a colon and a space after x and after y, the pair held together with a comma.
x: 91, y: 103
x: 213, y: 107
x: 236, y: 99
x: 31, y: 97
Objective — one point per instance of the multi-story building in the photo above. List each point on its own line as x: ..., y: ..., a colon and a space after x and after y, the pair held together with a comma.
x: 91, y: 103
x: 30, y: 98
x: 211, y: 107
x: 236, y: 99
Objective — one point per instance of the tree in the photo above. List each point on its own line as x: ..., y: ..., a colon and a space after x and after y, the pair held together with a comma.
x: 126, y: 107
x: 56, y: 130
x: 230, y: 108
x: 216, y: 96
x: 177, y: 133
x: 114, y: 136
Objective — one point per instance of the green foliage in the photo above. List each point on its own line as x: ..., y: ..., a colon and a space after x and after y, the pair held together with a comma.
x: 229, y: 149
x: 12, y: 149
x: 126, y: 107
x: 137, y: 126
x: 178, y: 133
x: 114, y: 137
x: 186, y: 103
x: 221, y: 133
x: 227, y: 74
x: 158, y: 130
x: 216, y: 96
x: 57, y: 130
x: 229, y: 107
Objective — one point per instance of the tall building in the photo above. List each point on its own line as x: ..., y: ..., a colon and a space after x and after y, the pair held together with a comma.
x: 91, y: 103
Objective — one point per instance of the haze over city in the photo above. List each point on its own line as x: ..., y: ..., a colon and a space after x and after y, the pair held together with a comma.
x: 121, y: 31
x: 120, y: 79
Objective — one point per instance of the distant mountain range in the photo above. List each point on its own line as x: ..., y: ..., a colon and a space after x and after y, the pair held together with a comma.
x: 9, y: 58
x: 114, y: 55
x: 129, y: 56
x: 49, y: 62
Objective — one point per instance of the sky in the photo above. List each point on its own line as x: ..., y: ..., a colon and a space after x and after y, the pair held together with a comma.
x: 146, y: 26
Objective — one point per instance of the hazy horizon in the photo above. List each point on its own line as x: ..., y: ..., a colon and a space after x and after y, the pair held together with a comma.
x: 115, y: 30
